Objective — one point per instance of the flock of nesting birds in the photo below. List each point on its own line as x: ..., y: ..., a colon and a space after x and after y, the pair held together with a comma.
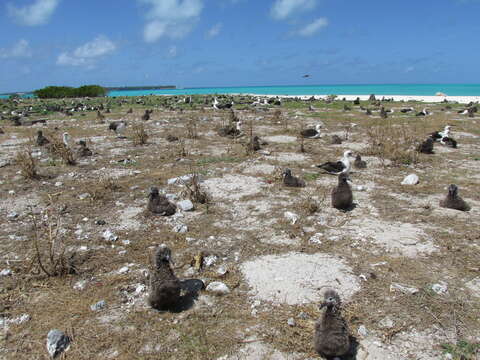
x: 331, y: 337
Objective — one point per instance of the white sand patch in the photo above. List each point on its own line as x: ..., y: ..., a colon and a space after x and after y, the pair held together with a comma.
x: 295, y: 278
x: 291, y: 157
x: 127, y: 220
x: 265, y: 169
x: 280, y: 139
x: 278, y: 239
x: 233, y: 187
x: 474, y: 286
x: 260, y: 351
x: 406, y: 345
x: 397, y: 238
x: 18, y: 204
x: 249, y: 215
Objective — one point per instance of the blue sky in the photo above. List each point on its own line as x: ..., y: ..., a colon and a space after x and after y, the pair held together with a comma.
x: 191, y: 43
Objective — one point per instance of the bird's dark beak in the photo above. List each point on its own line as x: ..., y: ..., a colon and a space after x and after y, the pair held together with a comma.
x: 322, y: 305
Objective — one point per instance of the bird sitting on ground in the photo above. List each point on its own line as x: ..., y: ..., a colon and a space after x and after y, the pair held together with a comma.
x: 254, y: 144
x: 292, y: 181
x: 453, y: 200
x: 312, y: 133
x: 165, y: 288
x: 119, y: 128
x: 147, y: 114
x: 424, y: 112
x: 359, y: 163
x: 438, y: 135
x: 331, y: 339
x: 449, y: 141
x: 130, y: 111
x: 171, y: 138
x: 83, y: 150
x: 341, y: 166
x: 100, y: 116
x: 342, y: 197
x: 2, y: 131
x: 426, y: 147
x: 336, y: 140
x: 66, y: 139
x: 41, y: 140
x: 159, y: 204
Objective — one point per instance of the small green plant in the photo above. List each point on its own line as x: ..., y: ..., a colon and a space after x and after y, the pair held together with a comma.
x: 462, y: 350
x: 311, y: 176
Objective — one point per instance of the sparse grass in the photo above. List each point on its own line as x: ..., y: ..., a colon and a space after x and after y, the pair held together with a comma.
x: 103, y: 189
x: 219, y: 159
x: 27, y: 163
x: 393, y: 142
x: 49, y: 248
x: 139, y: 134
x: 462, y: 350
x: 59, y: 149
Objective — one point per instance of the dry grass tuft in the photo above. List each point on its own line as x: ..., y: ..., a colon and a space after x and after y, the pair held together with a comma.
x: 139, y: 134
x: 191, y: 126
x: 194, y: 191
x: 103, y: 189
x: 59, y: 149
x: 49, y: 249
x: 394, y: 143
x: 27, y: 163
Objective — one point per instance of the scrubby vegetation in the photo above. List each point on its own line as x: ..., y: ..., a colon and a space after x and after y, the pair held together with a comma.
x: 56, y: 92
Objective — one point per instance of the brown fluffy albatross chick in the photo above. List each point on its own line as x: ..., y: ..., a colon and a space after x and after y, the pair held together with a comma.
x: 453, y: 201
x: 159, y: 204
x: 342, y: 197
x: 331, y: 339
x: 164, y: 292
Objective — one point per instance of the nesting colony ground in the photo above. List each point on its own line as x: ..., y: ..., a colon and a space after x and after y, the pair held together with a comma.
x: 73, y: 235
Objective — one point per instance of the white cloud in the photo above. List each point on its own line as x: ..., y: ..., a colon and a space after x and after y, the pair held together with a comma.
x: 409, y: 69
x: 170, y: 18
x: 37, y: 13
x: 313, y: 27
x: 282, y: 9
x: 18, y: 50
x: 172, y: 52
x: 87, y: 53
x: 214, y: 30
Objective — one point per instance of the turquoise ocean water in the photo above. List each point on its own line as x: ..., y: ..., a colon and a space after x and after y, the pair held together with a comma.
x: 393, y: 89
x: 382, y: 89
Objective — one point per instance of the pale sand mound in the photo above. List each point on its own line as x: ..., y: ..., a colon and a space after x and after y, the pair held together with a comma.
x: 291, y: 157
x: 295, y: 278
x: 397, y: 238
x: 264, y: 169
x: 233, y: 187
x: 260, y: 351
x: 281, y: 139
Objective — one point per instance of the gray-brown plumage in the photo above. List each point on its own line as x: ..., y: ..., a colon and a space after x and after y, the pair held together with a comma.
x: 171, y: 138
x: 159, y: 204
x: 336, y: 140
x: 426, y: 147
x: 453, y: 201
x: 342, y: 197
x: 41, y: 140
x: 147, y: 114
x: 164, y: 292
x: 83, y: 150
x: 100, y: 117
x: 130, y: 111
x: 359, y: 163
x: 254, y: 144
x: 290, y: 180
x: 331, y: 339
x: 1, y: 131
x: 383, y: 113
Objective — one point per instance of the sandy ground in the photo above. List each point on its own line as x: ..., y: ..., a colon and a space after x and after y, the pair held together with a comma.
x: 276, y: 249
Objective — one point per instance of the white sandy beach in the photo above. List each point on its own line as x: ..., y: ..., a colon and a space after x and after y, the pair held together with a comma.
x: 421, y: 98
